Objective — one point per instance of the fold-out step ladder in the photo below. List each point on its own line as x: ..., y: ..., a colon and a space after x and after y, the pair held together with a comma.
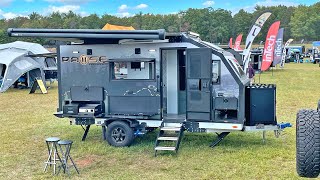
x: 170, y: 134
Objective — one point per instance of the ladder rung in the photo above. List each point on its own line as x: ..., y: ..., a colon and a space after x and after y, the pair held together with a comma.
x: 168, y: 138
x: 162, y: 148
x: 170, y: 128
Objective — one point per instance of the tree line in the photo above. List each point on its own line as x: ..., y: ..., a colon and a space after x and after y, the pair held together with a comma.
x: 214, y: 25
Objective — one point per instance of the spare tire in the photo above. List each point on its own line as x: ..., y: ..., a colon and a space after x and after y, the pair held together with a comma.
x: 308, y: 143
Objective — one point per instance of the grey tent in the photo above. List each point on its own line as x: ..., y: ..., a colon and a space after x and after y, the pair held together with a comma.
x: 16, y: 60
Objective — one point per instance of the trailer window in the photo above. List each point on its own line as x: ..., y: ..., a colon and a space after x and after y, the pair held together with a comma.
x: 216, y: 72
x: 137, y: 70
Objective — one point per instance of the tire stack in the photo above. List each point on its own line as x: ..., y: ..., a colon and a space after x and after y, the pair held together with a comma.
x: 308, y: 143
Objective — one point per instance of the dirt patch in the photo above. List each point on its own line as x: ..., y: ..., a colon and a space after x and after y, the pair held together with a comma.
x: 87, y: 161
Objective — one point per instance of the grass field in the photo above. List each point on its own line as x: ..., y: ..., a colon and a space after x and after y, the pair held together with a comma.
x: 26, y: 120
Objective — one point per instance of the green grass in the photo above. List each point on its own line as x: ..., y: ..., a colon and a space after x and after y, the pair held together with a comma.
x: 26, y: 120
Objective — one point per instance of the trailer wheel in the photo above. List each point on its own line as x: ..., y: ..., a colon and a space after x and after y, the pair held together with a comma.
x: 119, y: 134
x: 308, y: 143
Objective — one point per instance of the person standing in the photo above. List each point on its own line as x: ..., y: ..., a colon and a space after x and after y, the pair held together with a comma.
x: 251, y: 74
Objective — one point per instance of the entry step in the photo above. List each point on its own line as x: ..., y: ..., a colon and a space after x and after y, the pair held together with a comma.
x: 168, y: 138
x: 171, y: 128
x: 163, y: 148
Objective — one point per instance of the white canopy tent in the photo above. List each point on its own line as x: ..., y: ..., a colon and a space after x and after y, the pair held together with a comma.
x: 15, y: 61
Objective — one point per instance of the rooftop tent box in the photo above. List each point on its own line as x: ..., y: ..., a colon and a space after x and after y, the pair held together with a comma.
x: 261, y: 104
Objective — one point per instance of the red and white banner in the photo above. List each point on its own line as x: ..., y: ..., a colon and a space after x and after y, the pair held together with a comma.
x: 270, y: 43
x: 237, y: 43
x: 230, y: 43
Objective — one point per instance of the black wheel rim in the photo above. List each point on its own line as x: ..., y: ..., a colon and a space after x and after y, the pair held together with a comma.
x: 118, y: 135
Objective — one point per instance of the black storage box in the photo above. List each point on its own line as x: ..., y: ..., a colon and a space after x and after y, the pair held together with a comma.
x: 261, y: 104
x: 71, y: 109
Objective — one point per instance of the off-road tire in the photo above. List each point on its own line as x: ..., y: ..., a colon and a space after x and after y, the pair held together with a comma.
x: 126, y: 133
x: 308, y: 143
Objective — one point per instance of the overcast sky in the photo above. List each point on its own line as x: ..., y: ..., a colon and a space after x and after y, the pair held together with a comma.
x: 12, y: 8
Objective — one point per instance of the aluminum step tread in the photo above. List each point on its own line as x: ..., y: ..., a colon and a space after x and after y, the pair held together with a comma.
x: 164, y: 148
x: 171, y: 128
x: 168, y: 138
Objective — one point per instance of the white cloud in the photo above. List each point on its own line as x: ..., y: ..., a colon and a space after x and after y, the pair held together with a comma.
x: 69, y: 1
x: 123, y: 8
x: 141, y: 6
x: 9, y: 15
x: 63, y: 9
x: 28, y: 0
x: 124, y: 14
x: 208, y: 3
x: 5, y: 2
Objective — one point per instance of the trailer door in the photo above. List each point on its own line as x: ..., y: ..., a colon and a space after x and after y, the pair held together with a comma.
x: 199, y: 84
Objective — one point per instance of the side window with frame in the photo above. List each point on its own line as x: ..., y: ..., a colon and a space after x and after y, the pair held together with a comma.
x: 133, y: 70
x: 216, y: 72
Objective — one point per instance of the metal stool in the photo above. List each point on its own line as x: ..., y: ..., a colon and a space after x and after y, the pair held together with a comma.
x: 53, y: 153
x: 66, y: 155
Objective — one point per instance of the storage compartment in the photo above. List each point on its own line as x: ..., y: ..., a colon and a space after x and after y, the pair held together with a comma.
x: 225, y: 115
x: 71, y: 109
x: 261, y: 104
x: 230, y: 103
x: 84, y: 121
x: 86, y: 93
x: 134, y: 105
x: 90, y: 110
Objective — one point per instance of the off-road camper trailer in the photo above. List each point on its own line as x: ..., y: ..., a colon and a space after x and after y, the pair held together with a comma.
x: 133, y: 81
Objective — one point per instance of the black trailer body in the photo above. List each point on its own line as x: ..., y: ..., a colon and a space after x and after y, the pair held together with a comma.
x: 133, y: 81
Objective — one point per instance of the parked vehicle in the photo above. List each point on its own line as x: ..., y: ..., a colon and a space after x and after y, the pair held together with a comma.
x: 131, y: 82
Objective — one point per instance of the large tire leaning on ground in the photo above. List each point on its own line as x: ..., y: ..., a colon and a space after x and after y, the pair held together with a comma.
x: 308, y: 143
x: 119, y: 134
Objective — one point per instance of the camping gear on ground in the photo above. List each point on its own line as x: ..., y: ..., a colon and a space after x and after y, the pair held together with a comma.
x: 54, y: 157
x: 65, y: 148
x: 22, y: 58
x: 38, y: 83
x: 137, y: 81
x: 59, y: 159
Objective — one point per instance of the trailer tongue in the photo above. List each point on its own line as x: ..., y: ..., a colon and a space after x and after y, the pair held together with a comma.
x: 132, y: 82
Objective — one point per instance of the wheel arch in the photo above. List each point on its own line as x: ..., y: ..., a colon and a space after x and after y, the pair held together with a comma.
x: 133, y: 123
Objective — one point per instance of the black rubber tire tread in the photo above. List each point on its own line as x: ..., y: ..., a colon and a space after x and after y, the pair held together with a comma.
x: 128, y: 130
x: 308, y: 143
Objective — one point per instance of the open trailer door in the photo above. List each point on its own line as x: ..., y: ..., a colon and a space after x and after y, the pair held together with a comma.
x: 199, y: 84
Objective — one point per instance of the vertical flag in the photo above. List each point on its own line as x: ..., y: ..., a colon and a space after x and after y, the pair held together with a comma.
x: 237, y: 43
x: 230, y: 43
x: 278, y: 48
x: 268, y: 52
x: 256, y: 28
x: 284, y: 53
